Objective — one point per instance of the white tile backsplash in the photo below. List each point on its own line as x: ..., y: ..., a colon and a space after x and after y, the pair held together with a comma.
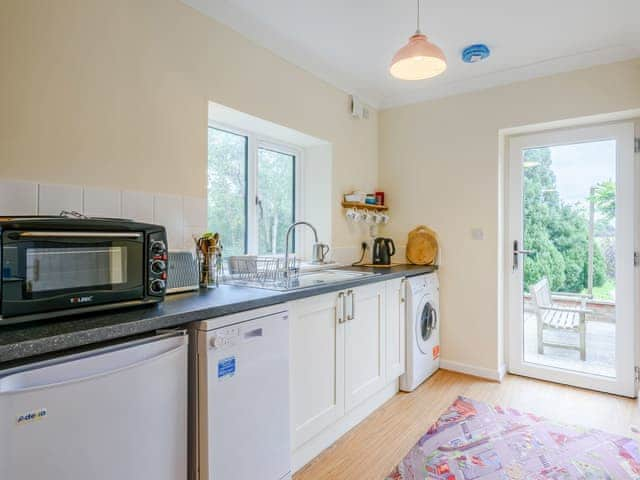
x: 137, y: 206
x: 188, y: 232
x: 167, y: 211
x: 18, y: 198
x: 195, y: 211
x: 102, y: 202
x: 182, y: 216
x: 52, y: 199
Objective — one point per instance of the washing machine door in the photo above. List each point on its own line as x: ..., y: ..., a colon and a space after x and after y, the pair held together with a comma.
x: 426, y: 323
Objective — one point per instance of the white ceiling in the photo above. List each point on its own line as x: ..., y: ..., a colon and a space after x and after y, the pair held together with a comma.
x: 349, y: 43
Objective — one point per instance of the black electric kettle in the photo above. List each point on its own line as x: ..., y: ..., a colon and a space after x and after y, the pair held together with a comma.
x: 383, y: 250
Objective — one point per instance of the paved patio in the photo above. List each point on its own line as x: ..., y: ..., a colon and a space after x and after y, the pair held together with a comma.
x: 600, y: 341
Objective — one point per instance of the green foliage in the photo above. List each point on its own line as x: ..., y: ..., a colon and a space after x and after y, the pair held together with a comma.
x: 604, y: 197
x: 227, y: 193
x: 226, y: 189
x: 275, y: 204
x: 556, y: 231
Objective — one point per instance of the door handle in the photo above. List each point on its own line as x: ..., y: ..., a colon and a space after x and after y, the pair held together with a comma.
x: 341, y: 307
x: 352, y: 311
x: 403, y: 293
x: 516, y: 252
x: 72, y: 234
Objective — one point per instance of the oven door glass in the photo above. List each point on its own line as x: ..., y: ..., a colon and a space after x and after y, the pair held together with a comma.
x: 46, y: 271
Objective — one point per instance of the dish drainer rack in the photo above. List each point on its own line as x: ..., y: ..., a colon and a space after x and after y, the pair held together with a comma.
x: 258, y: 269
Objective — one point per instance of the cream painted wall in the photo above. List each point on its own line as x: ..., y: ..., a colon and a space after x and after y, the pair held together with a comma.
x: 114, y: 93
x: 439, y: 165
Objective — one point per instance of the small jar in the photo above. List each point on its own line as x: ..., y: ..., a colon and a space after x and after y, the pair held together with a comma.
x: 210, y: 267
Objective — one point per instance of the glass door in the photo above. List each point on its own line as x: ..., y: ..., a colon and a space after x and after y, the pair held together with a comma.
x: 571, y: 257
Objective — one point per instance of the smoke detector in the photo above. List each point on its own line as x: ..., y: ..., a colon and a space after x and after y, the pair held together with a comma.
x: 475, y: 53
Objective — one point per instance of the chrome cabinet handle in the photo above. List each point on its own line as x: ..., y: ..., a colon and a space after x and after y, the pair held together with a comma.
x: 403, y: 293
x: 352, y: 313
x: 341, y: 307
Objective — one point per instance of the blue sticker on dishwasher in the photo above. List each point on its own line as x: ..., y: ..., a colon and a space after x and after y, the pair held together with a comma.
x: 226, y: 367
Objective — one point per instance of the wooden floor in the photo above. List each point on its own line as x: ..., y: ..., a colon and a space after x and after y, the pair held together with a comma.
x: 374, y: 447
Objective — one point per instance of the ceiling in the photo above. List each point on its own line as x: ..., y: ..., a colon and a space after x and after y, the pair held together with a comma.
x: 349, y: 43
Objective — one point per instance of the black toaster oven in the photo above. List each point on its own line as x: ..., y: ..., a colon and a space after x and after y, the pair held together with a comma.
x: 54, y: 266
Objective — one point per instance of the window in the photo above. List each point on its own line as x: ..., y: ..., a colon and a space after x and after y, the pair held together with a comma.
x: 243, y: 167
x: 275, y: 200
x: 227, y: 189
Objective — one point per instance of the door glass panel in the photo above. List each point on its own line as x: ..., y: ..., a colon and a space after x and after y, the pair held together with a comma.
x: 227, y: 187
x: 569, y: 215
x: 276, y: 200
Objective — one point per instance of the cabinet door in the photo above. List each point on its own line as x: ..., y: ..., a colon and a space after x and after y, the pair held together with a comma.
x: 364, y: 343
x: 317, y: 365
x: 395, y: 325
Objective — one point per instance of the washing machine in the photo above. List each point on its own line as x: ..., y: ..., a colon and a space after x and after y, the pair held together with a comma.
x: 422, y: 330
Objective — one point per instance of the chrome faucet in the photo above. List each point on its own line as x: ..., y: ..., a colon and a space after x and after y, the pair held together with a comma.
x: 286, y: 242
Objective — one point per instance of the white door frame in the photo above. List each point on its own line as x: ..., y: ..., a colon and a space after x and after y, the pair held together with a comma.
x: 626, y: 277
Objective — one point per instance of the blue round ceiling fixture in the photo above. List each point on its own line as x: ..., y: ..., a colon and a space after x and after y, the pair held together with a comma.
x: 475, y: 53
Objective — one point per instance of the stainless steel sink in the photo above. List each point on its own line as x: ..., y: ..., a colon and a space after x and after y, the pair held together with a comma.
x: 305, y: 280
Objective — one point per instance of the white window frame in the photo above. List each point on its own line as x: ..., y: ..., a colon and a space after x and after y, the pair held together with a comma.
x: 254, y: 143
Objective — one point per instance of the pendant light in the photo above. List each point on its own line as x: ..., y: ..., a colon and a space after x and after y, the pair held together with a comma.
x: 419, y: 58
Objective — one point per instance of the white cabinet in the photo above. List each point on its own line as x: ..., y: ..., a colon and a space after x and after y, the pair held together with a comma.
x: 317, y: 365
x: 364, y: 343
x: 347, y: 350
x: 395, y: 323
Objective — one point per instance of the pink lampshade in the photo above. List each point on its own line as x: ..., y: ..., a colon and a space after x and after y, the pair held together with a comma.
x: 418, y: 59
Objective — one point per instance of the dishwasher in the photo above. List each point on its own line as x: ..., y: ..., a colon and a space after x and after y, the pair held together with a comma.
x: 240, y: 402
x: 117, y: 412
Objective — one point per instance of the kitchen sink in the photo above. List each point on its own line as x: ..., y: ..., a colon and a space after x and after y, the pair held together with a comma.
x: 305, y: 280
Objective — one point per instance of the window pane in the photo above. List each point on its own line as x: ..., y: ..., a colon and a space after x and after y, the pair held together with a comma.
x: 276, y: 204
x: 569, y: 220
x: 227, y: 189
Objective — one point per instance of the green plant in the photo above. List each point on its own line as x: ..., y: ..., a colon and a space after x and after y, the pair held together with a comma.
x: 557, y: 231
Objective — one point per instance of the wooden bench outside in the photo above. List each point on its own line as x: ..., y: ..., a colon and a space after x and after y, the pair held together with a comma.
x: 554, y: 317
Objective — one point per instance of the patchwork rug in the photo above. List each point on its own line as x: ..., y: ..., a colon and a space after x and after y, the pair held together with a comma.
x: 475, y: 440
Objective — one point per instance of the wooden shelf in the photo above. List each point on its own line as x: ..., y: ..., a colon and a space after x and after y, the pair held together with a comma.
x: 365, y: 206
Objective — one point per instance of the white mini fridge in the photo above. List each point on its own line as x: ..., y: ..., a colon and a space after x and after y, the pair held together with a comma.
x: 119, y: 412
x: 241, y: 399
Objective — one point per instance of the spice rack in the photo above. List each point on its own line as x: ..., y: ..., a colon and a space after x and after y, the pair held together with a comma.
x: 364, y: 206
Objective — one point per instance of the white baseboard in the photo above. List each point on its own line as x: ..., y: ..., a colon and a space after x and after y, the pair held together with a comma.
x: 502, y: 372
x: 482, y: 372
x: 316, y: 445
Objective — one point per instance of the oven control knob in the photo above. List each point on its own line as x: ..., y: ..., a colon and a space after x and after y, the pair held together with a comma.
x: 157, y: 286
x: 158, y: 266
x: 158, y: 247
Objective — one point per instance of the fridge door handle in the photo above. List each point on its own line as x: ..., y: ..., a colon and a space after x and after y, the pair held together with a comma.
x: 74, y: 371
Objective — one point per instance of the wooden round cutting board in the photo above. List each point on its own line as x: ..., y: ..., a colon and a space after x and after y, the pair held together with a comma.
x: 422, y: 246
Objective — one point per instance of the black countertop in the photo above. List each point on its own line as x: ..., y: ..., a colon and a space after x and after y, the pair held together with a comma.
x: 19, y: 342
